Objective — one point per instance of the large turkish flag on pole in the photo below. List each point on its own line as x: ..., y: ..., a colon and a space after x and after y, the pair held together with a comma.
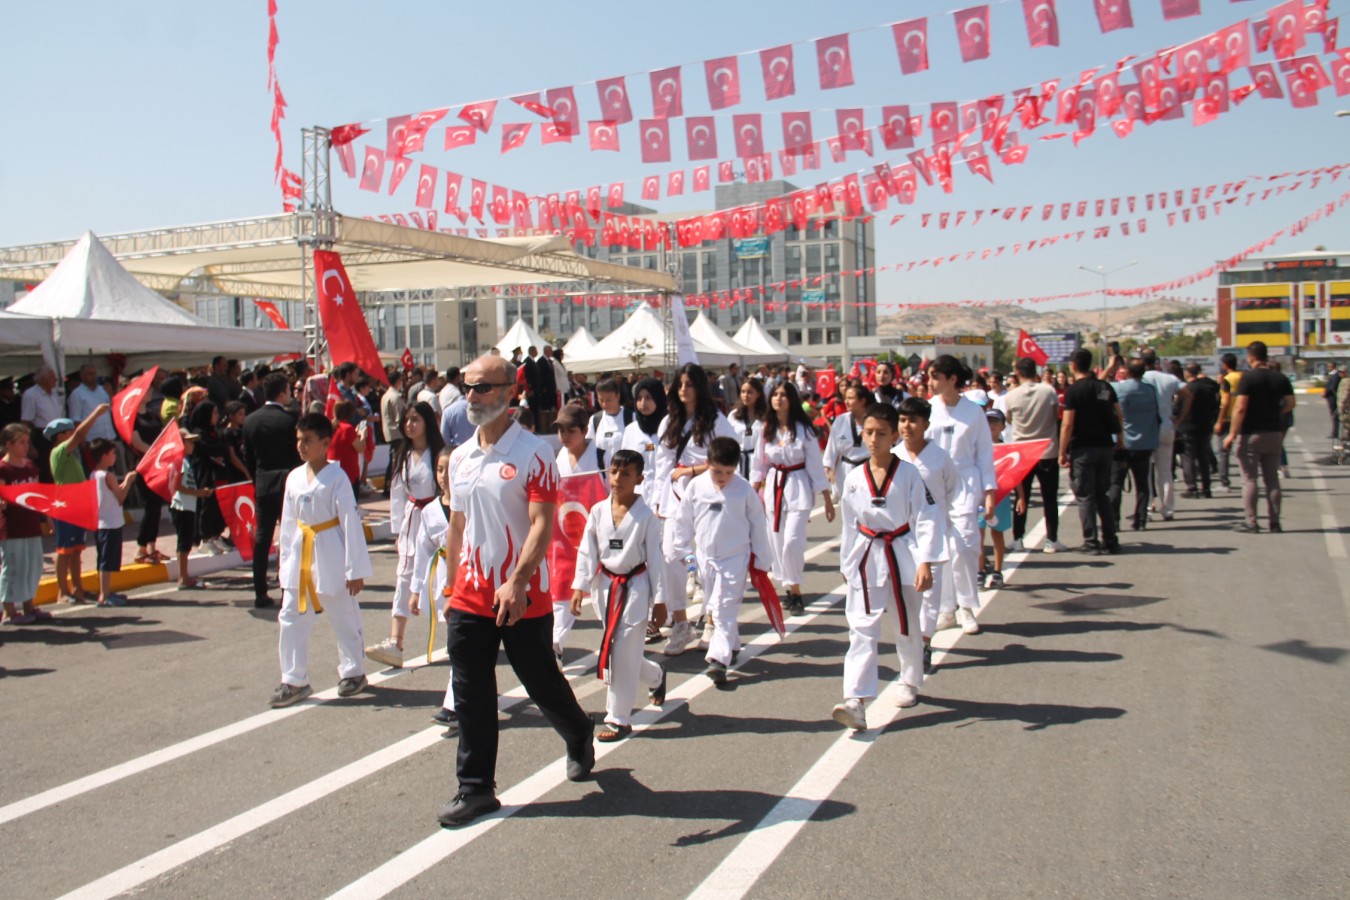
x: 74, y: 504
x: 576, y: 495
x: 1013, y: 461
x: 241, y: 514
x: 1030, y: 349
x: 159, y: 466
x: 128, y: 402
x: 344, y: 324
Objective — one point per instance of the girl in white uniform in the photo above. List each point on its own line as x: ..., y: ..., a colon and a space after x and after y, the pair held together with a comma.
x: 844, y: 450
x: 682, y: 440
x: 649, y: 403
x: 412, y: 488
x: 959, y: 427
x: 747, y: 418
x: 430, y: 572
x: 787, y: 468
x: 577, y: 456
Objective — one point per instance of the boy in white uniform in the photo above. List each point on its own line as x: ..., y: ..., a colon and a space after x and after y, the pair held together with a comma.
x: 890, y: 544
x: 324, y: 564
x: 943, y: 481
x: 607, y: 426
x: 622, y: 541
x: 721, y: 519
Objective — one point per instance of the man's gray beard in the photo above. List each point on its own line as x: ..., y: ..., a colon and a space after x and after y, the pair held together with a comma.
x: 481, y: 415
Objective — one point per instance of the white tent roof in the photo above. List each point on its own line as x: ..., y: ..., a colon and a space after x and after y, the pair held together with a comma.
x: 97, y: 307
x: 520, y: 335
x: 579, y: 343
x: 613, y: 352
x: 25, y: 343
x: 705, y: 331
x: 752, y: 335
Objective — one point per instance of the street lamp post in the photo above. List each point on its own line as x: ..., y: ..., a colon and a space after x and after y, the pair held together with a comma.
x: 1104, y: 275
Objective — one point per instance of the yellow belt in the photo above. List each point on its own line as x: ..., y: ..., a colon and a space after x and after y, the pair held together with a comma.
x: 307, y: 591
x: 431, y: 599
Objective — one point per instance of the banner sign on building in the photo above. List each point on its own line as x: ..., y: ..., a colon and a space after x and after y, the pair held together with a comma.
x: 751, y: 248
x: 1059, y: 346
x: 815, y: 295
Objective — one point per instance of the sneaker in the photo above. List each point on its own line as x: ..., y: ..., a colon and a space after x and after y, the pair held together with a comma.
x: 995, y: 581
x: 288, y: 694
x: 659, y: 692
x: 850, y: 714
x: 945, y: 620
x: 1190, y: 494
x: 1247, y: 528
x: 558, y: 655
x: 681, y: 636
x: 1053, y: 547
x: 579, y: 768
x: 1091, y: 546
x: 928, y: 659
x: 467, y: 807
x: 699, y: 597
x: 348, y: 687
x: 717, y: 672
x: 387, y: 653
x: 966, y: 619
x: 112, y: 600
x: 1114, y: 548
x: 1276, y: 527
x: 709, y: 629
x: 690, y: 585
x: 906, y: 695
x: 445, y: 718
x: 22, y: 619
x: 1016, y: 546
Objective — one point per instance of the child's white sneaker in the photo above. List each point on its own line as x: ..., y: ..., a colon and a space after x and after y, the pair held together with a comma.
x: 850, y: 714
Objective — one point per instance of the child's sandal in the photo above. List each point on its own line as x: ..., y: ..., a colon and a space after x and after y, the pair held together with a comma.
x: 611, y: 733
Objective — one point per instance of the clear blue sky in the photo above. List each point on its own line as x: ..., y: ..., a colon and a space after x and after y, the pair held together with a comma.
x: 149, y: 113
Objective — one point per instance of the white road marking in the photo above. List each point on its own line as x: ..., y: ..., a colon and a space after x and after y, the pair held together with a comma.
x: 1331, y: 529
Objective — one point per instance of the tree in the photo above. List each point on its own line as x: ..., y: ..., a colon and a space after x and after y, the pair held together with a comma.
x: 1005, y: 353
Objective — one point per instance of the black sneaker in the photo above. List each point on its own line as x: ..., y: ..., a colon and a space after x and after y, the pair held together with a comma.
x: 1091, y: 546
x: 445, y: 717
x: 349, y: 686
x: 928, y: 659
x: 1276, y: 527
x: 717, y: 672
x: 467, y: 807
x: 1114, y: 548
x: 1190, y: 494
x: 289, y: 694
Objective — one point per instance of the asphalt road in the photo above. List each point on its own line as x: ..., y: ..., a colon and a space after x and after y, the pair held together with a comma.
x: 1169, y: 722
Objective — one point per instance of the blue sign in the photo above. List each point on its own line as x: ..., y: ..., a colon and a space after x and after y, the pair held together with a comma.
x: 751, y: 248
x: 815, y: 295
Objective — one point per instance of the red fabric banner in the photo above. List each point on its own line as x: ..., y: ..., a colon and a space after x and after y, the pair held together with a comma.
x: 1042, y: 22
x: 1113, y: 14
x: 614, y: 105
x: 911, y: 43
x: 159, y: 467
x: 972, y: 32
x: 127, y: 404
x: 240, y: 512
x: 344, y: 324
x: 576, y: 495
x: 1026, y: 347
x: 776, y: 64
x: 667, y: 93
x: 270, y: 310
x: 74, y: 504
x: 834, y: 62
x: 1012, y: 462
x: 724, y: 82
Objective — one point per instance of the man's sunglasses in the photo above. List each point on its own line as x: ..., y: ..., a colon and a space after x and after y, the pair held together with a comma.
x: 486, y: 387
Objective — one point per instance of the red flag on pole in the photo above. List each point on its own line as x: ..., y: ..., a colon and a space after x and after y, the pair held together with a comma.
x: 1012, y: 463
x: 128, y: 402
x: 576, y: 495
x: 344, y: 323
x: 331, y: 396
x: 240, y: 514
x: 270, y: 310
x: 407, y: 359
x: 159, y: 466
x: 1030, y: 349
x: 74, y: 504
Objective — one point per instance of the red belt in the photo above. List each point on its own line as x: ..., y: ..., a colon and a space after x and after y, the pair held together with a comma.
x: 420, y: 503
x: 889, y: 537
x: 615, y: 604
x: 779, y: 483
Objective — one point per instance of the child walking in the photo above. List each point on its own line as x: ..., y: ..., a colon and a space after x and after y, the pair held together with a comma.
x: 622, y: 541
x: 324, y: 564
x: 999, y: 524
x: 108, y: 539
x: 430, y: 573
x: 721, y: 520
x: 891, y: 540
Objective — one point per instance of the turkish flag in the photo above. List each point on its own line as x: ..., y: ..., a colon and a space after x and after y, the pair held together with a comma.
x: 1340, y: 73
x: 159, y: 466
x: 128, y: 401
x: 426, y: 186
x: 655, y: 140
x: 1042, y: 22
x: 372, y: 170
x: 74, y: 504
x: 972, y: 32
x: 477, y: 198
x: 576, y: 495
x: 344, y: 324
x: 396, y: 175
x: 1232, y: 47
x: 514, y: 135
x: 651, y: 187
x: 460, y: 136
x: 725, y: 172
x: 533, y: 104
x: 768, y: 596
x: 942, y: 121
x: 501, y: 205
x: 724, y: 82
x: 240, y: 512
x: 345, y: 134
x: 834, y: 62
x: 778, y: 78
x: 749, y: 130
x: 826, y: 382
x: 563, y: 102
x: 479, y: 115
x: 702, y: 178
x: 453, y: 183
x: 331, y: 397
x: 701, y: 134
x: 796, y: 131
x: 1302, y: 94
x: 396, y: 135
x: 614, y: 103
x: 614, y: 196
x: 407, y: 359
x: 270, y: 310
x: 675, y: 183
x: 1026, y: 347
x: 605, y: 135
x: 1267, y: 84
x: 1310, y: 70
x: 1180, y: 9
x: 1113, y: 14
x: 1286, y: 28
x: 667, y: 93
x: 415, y: 134
x: 1012, y: 463
x: 911, y: 44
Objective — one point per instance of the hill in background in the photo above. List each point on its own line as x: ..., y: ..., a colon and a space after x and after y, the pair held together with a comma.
x: 980, y: 320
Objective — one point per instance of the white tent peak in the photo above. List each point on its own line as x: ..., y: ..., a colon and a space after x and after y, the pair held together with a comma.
x: 706, y: 332
x: 580, y: 341
x: 754, y: 336
x: 521, y: 335
x: 90, y: 284
x: 643, y: 334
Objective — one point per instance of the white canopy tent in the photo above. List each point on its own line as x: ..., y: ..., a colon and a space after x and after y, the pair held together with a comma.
x: 25, y: 343
x: 705, y: 331
x: 95, y: 307
x: 642, y: 334
x: 521, y: 335
x: 752, y: 335
x: 579, y: 343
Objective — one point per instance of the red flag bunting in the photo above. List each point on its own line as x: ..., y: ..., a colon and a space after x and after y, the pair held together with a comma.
x: 834, y: 62
x: 724, y: 82
x: 667, y: 93
x: 776, y: 64
x: 911, y: 43
x: 614, y: 101
x: 972, y: 32
x: 1042, y: 22
x: 1113, y: 14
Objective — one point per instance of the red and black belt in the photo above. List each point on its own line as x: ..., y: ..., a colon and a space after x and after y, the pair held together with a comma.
x: 615, y: 604
x: 889, y: 538
x: 779, y: 484
x: 419, y: 503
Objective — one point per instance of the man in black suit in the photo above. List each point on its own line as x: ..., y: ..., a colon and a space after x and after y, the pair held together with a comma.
x: 270, y: 454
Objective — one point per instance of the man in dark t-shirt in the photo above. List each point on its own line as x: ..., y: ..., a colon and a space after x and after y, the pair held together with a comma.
x: 1264, y: 398
x: 1092, y: 427
x: 1193, y: 432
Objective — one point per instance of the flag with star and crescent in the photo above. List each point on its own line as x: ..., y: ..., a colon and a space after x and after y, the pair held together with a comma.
x: 74, y: 504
